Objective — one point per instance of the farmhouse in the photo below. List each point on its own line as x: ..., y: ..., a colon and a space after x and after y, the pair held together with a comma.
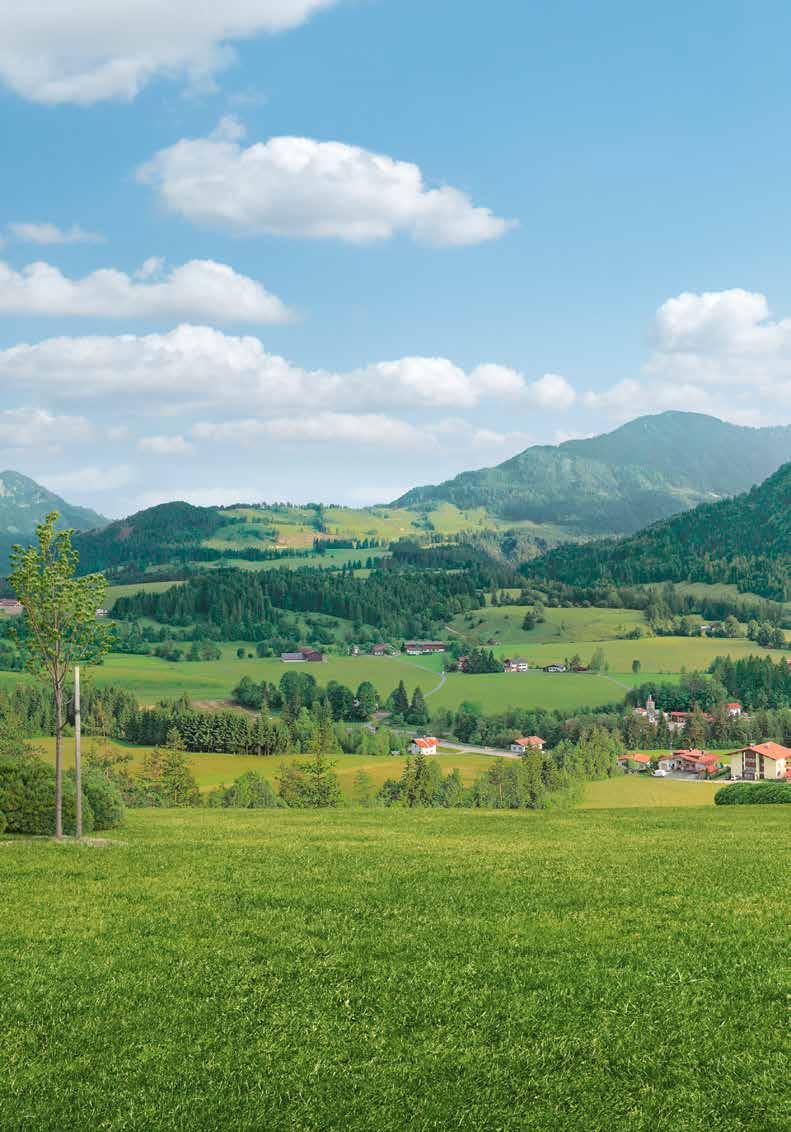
x: 634, y: 761
x: 425, y: 745
x: 734, y: 708
x: 10, y: 606
x: 692, y: 761
x: 418, y: 648
x: 516, y: 664
x: 528, y: 743
x: 555, y: 668
x: 764, y: 760
x: 302, y: 655
x: 380, y: 650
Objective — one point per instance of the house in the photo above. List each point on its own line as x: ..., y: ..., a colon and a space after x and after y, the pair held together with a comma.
x: 515, y: 664
x: 426, y: 745
x: 312, y: 656
x: 555, y: 668
x: 763, y: 760
x: 634, y: 761
x: 100, y: 612
x: 692, y: 761
x: 677, y: 720
x: 734, y: 708
x: 301, y: 655
x: 528, y: 743
x: 291, y: 657
x: 11, y: 606
x: 418, y: 648
x: 380, y: 650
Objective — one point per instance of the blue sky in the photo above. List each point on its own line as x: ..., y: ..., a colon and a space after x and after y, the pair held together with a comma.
x: 400, y: 239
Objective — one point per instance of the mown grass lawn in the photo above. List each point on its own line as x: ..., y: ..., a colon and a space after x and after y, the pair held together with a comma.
x: 390, y: 969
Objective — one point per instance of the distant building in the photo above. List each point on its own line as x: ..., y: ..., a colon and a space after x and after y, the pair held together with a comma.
x: 734, y: 708
x: 11, y: 606
x: 426, y: 745
x: 515, y: 664
x: 302, y: 655
x: 528, y: 743
x: 555, y: 668
x: 380, y: 650
x: 418, y: 648
x: 691, y: 762
x: 634, y: 761
x: 102, y: 612
x: 761, y: 761
x: 354, y: 650
x: 463, y: 663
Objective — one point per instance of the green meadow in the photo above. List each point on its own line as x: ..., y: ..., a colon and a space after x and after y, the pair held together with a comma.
x: 356, y: 970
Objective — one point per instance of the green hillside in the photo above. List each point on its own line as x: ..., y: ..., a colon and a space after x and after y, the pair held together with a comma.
x: 744, y: 541
x: 617, y: 483
x: 24, y: 504
x: 163, y: 534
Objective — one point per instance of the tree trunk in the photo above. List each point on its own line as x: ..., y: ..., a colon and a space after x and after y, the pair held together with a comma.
x: 58, y: 762
x: 77, y: 750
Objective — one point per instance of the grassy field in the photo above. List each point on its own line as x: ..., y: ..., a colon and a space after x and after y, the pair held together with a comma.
x: 385, y: 970
x: 495, y: 692
x: 212, y: 770
x: 630, y: 790
x: 568, y: 631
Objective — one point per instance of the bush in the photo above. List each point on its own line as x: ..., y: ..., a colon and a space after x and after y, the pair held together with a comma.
x: 753, y: 794
x: 104, y: 799
x: 251, y: 791
x: 3, y: 823
x: 27, y: 797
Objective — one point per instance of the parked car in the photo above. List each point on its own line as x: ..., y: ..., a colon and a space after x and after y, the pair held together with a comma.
x: 659, y: 774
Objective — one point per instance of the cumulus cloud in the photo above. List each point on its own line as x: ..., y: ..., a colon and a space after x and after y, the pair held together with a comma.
x: 44, y: 232
x: 294, y: 186
x: 90, y: 50
x: 551, y: 392
x: 164, y: 445
x: 722, y: 338
x: 39, y: 429
x: 198, y: 365
x: 198, y: 289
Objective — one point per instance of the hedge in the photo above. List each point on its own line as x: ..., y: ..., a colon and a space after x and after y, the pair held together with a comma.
x: 753, y: 794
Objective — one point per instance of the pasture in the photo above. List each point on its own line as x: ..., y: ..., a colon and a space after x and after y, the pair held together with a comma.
x: 212, y: 770
x: 390, y: 969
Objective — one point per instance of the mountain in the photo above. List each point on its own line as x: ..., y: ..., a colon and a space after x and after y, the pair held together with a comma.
x: 617, y: 483
x: 24, y: 504
x: 167, y: 533
x: 745, y: 540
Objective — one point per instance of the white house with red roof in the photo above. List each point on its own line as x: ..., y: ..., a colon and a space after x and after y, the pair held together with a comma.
x: 761, y: 761
x: 734, y: 708
x: 692, y: 761
x: 528, y: 743
x: 425, y: 745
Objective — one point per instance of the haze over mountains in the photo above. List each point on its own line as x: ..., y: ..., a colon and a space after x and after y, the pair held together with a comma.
x: 25, y: 503
x: 617, y: 483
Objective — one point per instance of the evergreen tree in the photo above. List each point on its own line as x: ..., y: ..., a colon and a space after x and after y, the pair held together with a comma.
x: 417, y: 714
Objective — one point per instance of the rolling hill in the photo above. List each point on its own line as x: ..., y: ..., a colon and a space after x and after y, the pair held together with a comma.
x: 621, y: 481
x: 745, y: 541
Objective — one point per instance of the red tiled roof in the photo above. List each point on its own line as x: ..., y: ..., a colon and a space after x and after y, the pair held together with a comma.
x: 530, y: 741
x: 734, y: 703
x: 769, y: 750
x: 635, y: 758
x: 427, y: 742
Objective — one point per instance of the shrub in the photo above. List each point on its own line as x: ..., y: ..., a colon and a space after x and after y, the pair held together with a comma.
x: 251, y: 791
x: 105, y: 800
x: 3, y: 823
x: 753, y: 794
x: 27, y: 797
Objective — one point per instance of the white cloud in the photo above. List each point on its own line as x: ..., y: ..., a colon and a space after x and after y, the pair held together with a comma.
x: 551, y: 392
x: 44, y: 232
x: 164, y: 445
x: 197, y: 365
x: 722, y: 338
x: 88, y: 479
x: 199, y: 289
x: 85, y: 51
x: 36, y: 428
x: 292, y: 186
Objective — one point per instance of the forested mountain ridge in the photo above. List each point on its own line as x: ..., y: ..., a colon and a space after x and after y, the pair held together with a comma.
x: 745, y: 540
x: 619, y: 482
x: 24, y: 504
x: 160, y: 534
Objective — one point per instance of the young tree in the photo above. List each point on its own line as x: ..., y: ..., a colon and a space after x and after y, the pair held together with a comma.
x: 62, y: 628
